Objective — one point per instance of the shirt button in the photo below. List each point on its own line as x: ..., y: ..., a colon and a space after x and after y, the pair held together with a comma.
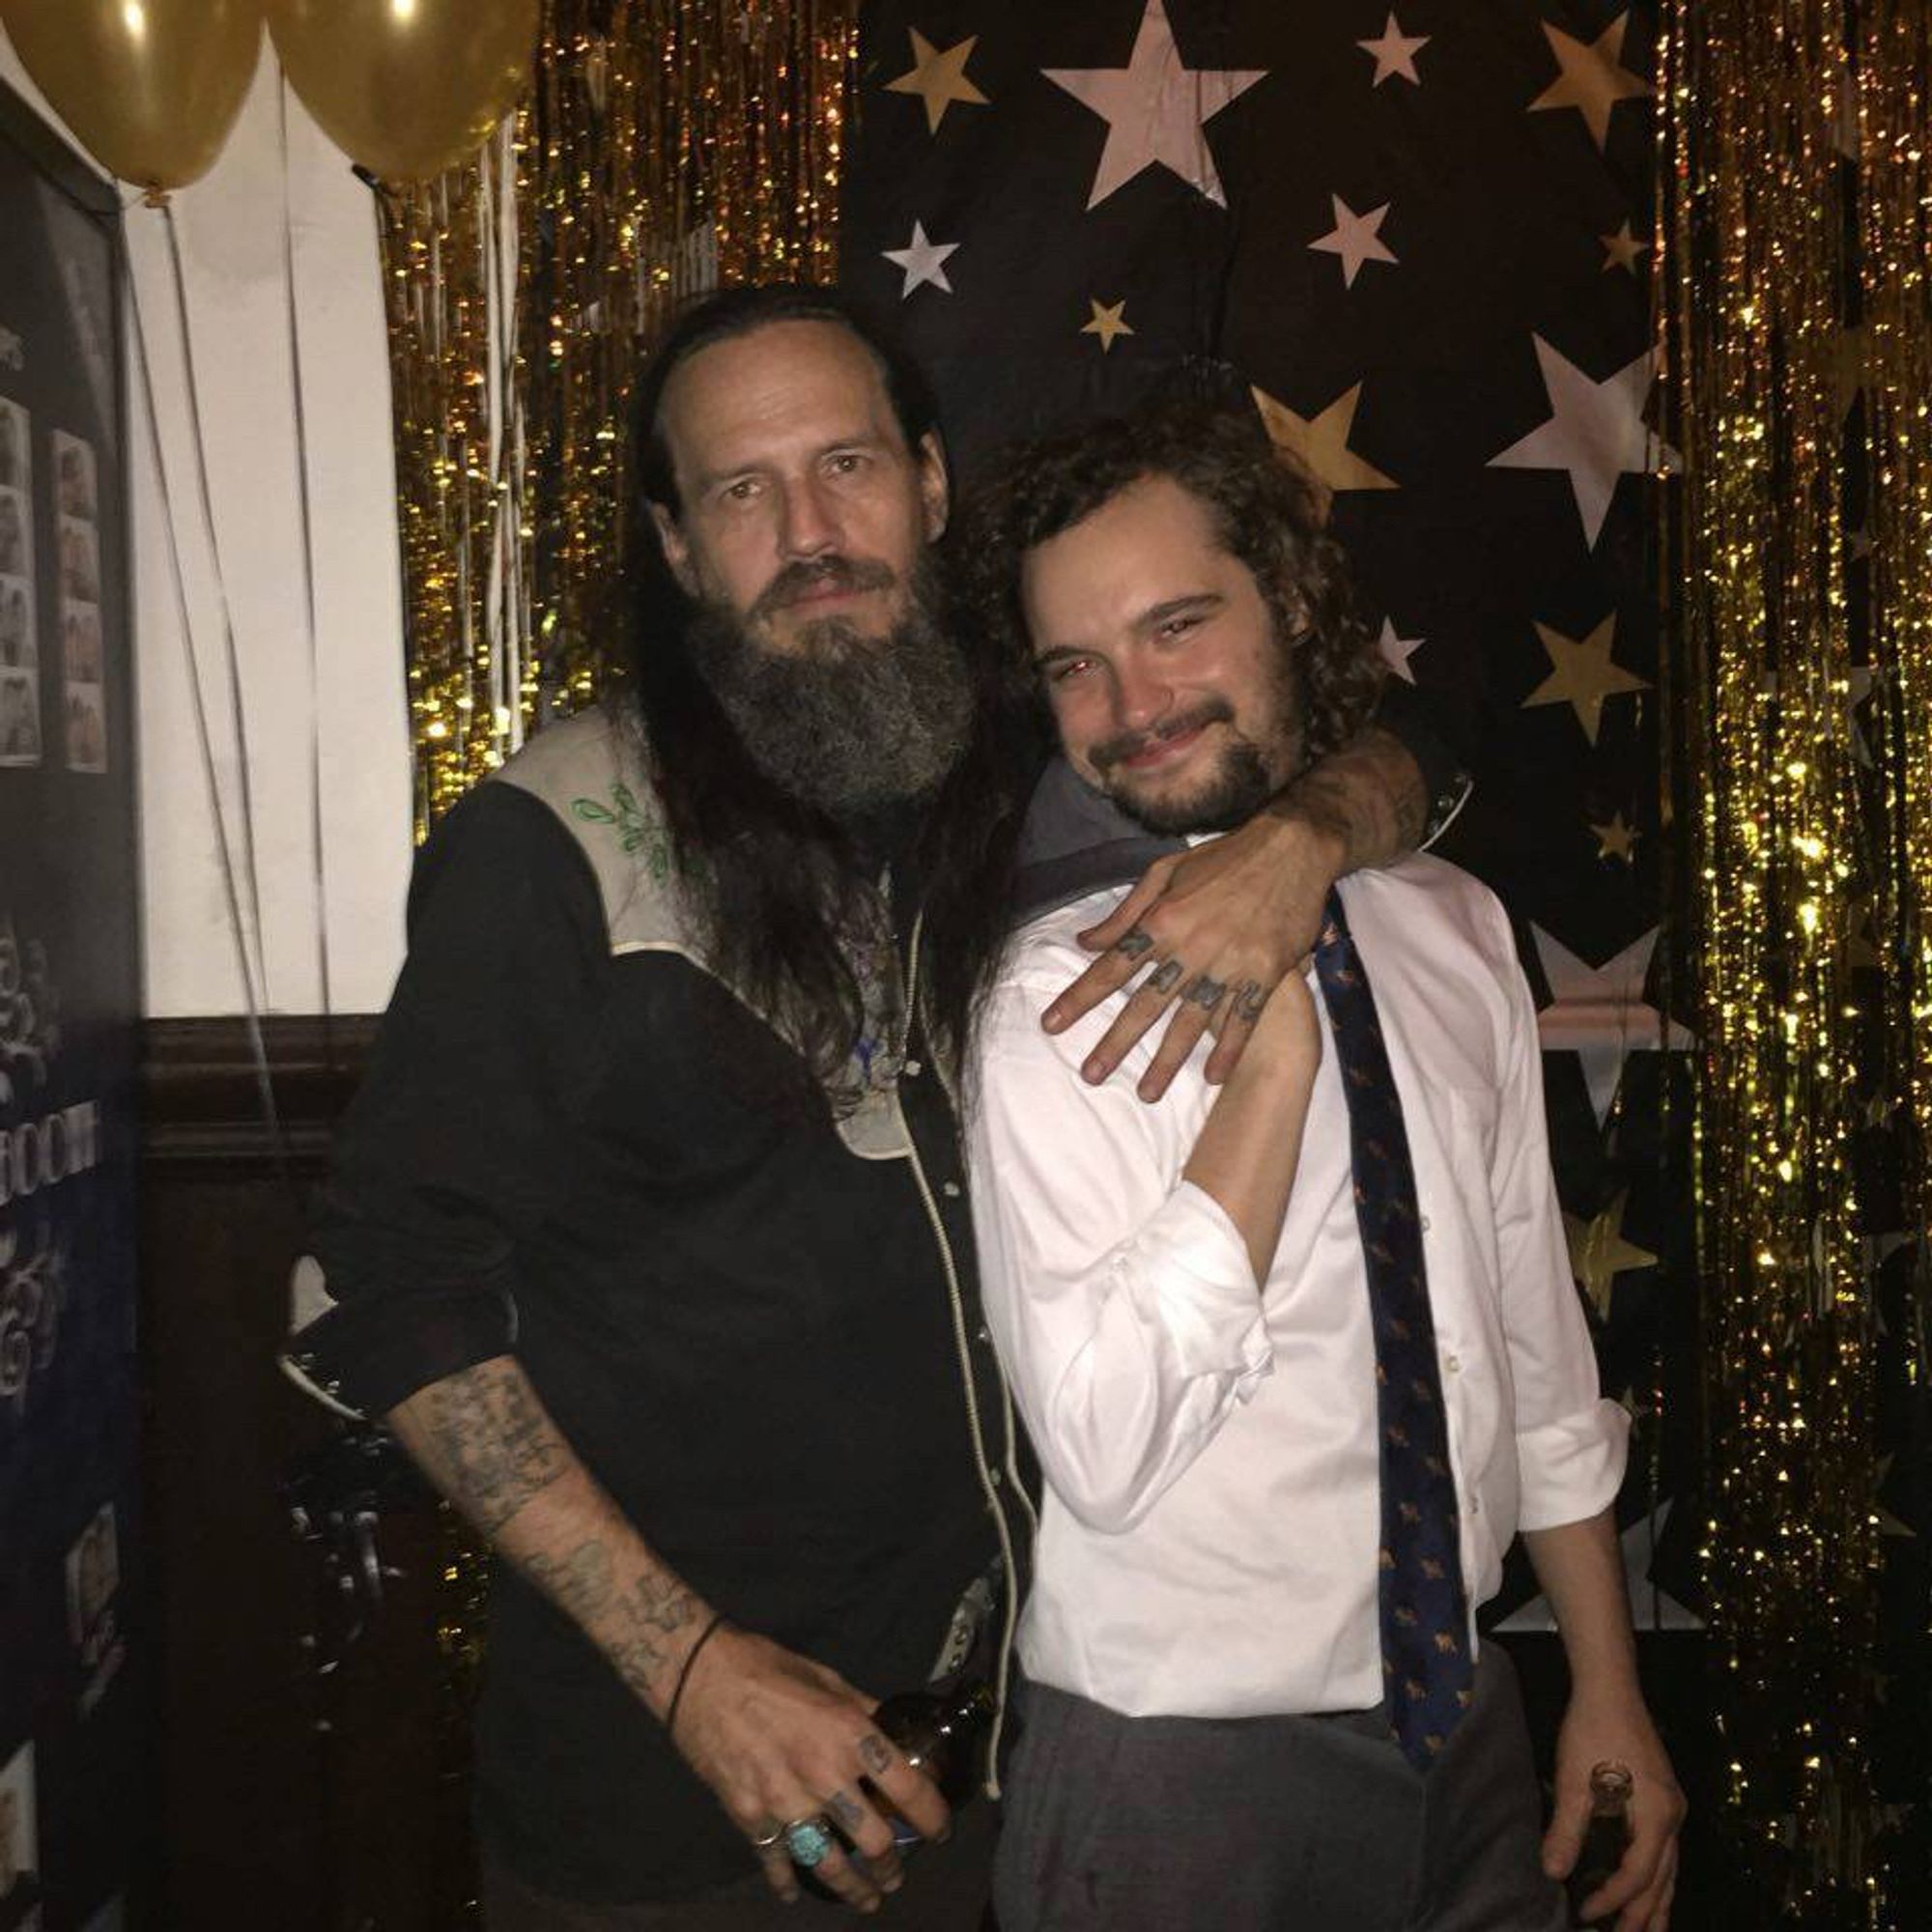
x: 985, y: 1334
x: 1453, y: 1363
x: 951, y: 1189
x: 913, y: 1070
x: 993, y: 1476
x: 1475, y: 1507
x: 1425, y: 1224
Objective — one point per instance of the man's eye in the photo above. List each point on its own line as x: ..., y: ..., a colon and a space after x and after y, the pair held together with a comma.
x: 740, y: 491
x: 1062, y: 669
x: 845, y: 463
x: 1176, y: 627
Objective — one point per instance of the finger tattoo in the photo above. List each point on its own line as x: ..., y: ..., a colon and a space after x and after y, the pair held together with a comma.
x: 874, y: 1753
x: 1249, y: 1002
x: 1206, y: 993
x: 846, y: 1810
x: 1164, y: 978
x: 1134, y: 944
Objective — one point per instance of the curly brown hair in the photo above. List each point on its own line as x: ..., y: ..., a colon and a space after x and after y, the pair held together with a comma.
x: 1266, y: 510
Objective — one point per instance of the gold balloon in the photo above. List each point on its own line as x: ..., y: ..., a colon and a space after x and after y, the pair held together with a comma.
x: 406, y: 87
x: 149, y: 87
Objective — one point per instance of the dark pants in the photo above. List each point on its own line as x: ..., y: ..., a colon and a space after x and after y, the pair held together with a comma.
x: 945, y: 1889
x: 1272, y: 1824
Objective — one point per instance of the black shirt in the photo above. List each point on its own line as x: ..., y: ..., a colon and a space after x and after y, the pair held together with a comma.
x: 601, y: 1162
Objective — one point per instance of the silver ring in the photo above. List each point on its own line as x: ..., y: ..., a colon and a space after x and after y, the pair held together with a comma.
x: 768, y: 1839
x: 807, y: 1840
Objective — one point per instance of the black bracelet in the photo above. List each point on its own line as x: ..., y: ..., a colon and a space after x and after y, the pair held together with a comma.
x: 704, y: 1637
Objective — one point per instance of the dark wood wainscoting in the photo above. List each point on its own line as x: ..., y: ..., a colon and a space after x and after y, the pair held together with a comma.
x: 309, y: 1801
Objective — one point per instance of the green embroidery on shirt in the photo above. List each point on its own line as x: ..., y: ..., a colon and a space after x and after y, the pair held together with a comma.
x: 634, y: 830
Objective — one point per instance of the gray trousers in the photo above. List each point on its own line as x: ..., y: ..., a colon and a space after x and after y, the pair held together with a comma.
x: 1272, y: 1824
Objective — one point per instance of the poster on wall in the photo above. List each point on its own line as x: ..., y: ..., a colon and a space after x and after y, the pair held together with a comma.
x: 71, y: 1635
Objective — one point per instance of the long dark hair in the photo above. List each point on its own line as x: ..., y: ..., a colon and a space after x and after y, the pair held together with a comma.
x: 1267, y: 513
x: 769, y: 882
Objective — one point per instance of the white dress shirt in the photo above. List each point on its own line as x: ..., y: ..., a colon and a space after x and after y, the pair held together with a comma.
x: 1208, y: 1541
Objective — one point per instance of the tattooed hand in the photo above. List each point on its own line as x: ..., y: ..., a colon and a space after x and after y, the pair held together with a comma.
x: 1234, y: 917
x: 777, y: 1738
x: 780, y: 1738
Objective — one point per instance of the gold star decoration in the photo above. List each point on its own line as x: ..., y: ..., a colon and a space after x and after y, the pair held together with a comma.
x: 939, y: 78
x: 1621, y: 250
x: 1591, y: 78
x: 1107, y: 322
x: 1617, y: 840
x: 1599, y: 1253
x: 1321, y: 443
x: 1581, y: 674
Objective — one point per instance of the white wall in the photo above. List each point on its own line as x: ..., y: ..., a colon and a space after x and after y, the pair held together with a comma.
x: 230, y: 225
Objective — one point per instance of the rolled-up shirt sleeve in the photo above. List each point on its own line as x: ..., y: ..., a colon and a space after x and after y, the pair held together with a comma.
x: 1571, y: 1443
x: 1126, y: 1354
x: 457, y: 1140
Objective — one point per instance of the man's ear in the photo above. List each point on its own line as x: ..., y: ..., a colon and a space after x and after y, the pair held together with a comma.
x: 677, y: 551
x: 934, y: 486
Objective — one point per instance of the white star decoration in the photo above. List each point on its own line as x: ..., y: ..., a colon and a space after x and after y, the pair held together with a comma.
x: 1600, y: 1015
x: 1356, y: 237
x: 1395, y: 53
x: 1397, y: 651
x: 923, y: 261
x: 1157, y: 110
x: 1597, y: 433
x: 1651, y: 1609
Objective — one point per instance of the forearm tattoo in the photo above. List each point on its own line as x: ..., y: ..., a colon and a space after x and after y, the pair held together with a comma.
x: 1371, y: 795
x: 580, y: 1582
x: 644, y: 1624
x: 492, y: 1445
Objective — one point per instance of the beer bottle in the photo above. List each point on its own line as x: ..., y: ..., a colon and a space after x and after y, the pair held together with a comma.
x: 937, y: 1732
x: 1606, y: 1837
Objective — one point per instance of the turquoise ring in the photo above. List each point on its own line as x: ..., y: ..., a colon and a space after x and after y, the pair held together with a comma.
x: 807, y: 1840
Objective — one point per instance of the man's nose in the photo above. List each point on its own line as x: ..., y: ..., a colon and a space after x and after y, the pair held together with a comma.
x: 1142, y: 695
x: 810, y: 525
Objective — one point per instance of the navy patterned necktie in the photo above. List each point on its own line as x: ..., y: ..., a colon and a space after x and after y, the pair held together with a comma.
x: 1424, y: 1610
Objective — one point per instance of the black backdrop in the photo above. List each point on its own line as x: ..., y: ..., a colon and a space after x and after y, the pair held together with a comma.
x: 1424, y: 241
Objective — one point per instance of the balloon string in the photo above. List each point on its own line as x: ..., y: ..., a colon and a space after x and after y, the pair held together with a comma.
x: 251, y: 872
x: 252, y: 1003
x: 508, y: 598
x: 317, y: 853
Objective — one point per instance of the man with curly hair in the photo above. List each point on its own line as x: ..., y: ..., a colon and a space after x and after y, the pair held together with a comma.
x: 1301, y: 1354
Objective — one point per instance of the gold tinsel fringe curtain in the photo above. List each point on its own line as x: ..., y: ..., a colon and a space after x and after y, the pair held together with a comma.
x: 1800, y: 352
x: 666, y: 146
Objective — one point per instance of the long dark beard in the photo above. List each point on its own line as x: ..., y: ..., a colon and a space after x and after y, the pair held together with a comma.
x: 849, y: 724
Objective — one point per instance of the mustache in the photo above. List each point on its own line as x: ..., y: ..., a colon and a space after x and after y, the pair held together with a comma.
x: 1130, y: 744
x: 835, y: 573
